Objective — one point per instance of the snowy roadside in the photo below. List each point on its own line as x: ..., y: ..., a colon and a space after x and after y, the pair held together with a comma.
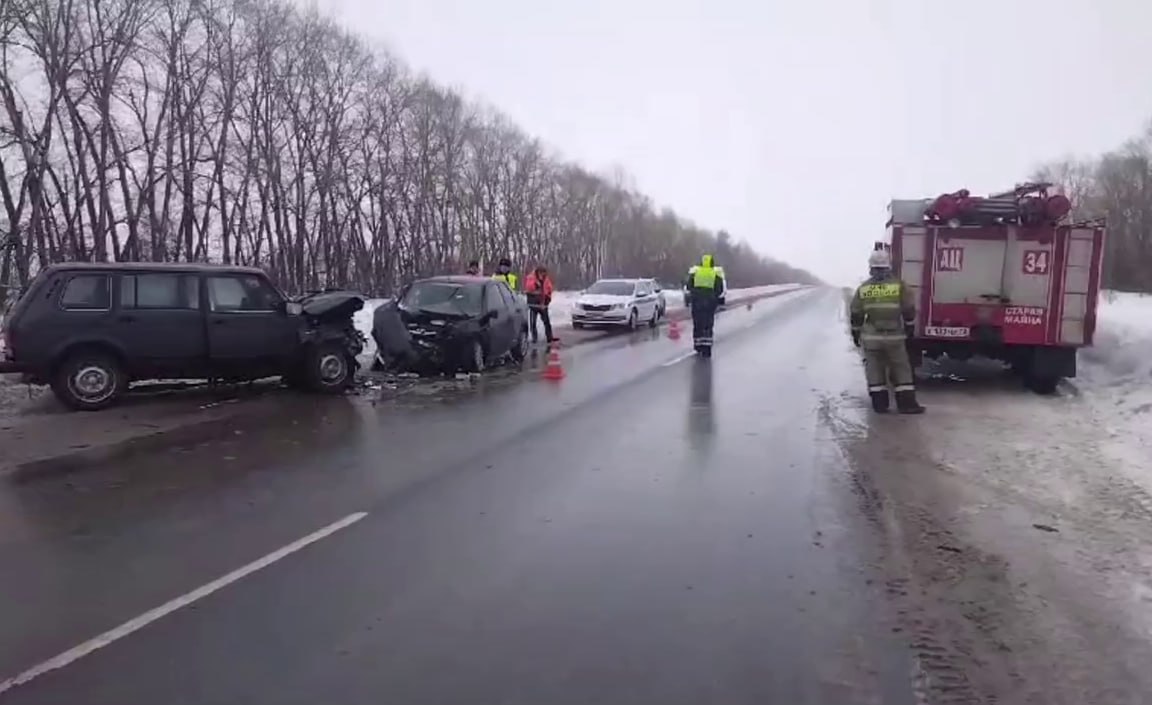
x: 1121, y: 359
x: 1116, y: 371
x: 1116, y: 379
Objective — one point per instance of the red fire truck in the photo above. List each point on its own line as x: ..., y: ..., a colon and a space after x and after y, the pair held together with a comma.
x: 1002, y: 277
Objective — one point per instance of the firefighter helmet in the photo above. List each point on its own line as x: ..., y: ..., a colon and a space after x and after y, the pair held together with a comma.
x: 879, y: 259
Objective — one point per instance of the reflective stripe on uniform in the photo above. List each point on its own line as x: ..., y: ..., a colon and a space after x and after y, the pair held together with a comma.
x: 878, y: 388
x: 880, y: 290
x: 882, y: 336
x: 881, y: 305
x: 905, y: 387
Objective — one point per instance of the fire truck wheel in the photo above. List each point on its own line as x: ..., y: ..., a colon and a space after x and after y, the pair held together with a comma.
x: 1043, y: 385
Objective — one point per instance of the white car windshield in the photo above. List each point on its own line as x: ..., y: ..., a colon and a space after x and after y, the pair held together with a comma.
x: 612, y: 288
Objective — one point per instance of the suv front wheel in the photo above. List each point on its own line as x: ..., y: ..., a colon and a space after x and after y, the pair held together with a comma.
x: 89, y: 380
x: 329, y: 368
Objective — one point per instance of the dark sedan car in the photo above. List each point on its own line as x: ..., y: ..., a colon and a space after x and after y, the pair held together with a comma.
x: 448, y: 324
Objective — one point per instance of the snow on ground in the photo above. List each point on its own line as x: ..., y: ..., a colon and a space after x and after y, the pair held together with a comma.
x: 1115, y: 376
x: 362, y: 319
x: 560, y: 310
x: 1121, y: 357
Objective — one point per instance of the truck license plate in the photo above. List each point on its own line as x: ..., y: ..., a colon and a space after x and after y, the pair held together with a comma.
x: 946, y: 331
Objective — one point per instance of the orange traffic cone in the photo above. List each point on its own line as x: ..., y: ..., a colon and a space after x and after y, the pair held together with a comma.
x: 554, y: 370
x: 674, y: 329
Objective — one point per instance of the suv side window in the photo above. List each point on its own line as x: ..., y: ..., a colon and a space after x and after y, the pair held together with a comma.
x: 241, y: 293
x: 87, y: 292
x: 159, y: 291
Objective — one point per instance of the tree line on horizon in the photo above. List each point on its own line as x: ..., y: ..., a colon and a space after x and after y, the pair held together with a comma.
x: 250, y: 132
x: 1117, y: 187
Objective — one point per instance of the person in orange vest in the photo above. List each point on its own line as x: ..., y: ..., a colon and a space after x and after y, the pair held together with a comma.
x: 538, y: 290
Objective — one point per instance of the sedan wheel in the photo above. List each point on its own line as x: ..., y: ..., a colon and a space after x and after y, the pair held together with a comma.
x: 633, y: 320
x: 476, y: 361
x: 520, y: 347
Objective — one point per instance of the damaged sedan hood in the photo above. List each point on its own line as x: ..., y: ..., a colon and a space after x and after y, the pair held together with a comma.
x: 332, y: 305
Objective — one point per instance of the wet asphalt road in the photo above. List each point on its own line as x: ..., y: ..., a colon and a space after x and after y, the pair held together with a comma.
x: 652, y: 529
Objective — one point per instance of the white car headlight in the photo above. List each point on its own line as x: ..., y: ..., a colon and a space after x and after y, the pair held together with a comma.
x: 617, y: 305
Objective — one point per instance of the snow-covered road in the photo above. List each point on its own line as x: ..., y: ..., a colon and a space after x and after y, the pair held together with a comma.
x: 1025, y: 520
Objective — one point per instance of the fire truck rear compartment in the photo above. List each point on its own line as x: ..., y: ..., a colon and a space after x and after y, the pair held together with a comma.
x: 999, y: 278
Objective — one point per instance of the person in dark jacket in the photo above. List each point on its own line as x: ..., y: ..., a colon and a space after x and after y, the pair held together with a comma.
x: 473, y: 268
x: 538, y: 290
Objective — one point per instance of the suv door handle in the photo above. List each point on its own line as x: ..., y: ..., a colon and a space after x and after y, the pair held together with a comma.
x: 126, y: 318
x: 218, y: 321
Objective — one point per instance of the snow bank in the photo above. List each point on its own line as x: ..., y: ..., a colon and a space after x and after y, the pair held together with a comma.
x: 1116, y: 374
x: 1122, y: 352
x: 362, y: 319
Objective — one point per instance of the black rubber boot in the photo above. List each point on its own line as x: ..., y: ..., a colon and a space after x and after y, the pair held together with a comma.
x: 879, y: 401
x: 906, y: 403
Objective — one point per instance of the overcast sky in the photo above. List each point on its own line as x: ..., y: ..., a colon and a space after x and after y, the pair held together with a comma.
x: 791, y: 124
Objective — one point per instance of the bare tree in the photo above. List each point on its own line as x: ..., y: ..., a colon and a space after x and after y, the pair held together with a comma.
x: 245, y: 131
x: 1118, y: 187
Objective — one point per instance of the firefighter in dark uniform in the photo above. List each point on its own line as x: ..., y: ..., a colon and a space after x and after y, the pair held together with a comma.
x: 883, y: 313
x: 702, y: 290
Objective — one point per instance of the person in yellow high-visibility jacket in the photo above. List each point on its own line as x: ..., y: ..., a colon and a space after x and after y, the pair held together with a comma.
x: 505, y: 274
x: 883, y: 317
x: 703, y: 288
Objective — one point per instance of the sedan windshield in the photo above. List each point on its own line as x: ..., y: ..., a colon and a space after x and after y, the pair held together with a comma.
x: 612, y: 288
x: 444, y: 297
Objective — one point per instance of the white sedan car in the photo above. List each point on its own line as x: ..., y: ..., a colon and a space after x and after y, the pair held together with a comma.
x: 617, y: 302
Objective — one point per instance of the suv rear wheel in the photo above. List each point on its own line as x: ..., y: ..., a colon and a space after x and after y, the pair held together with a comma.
x: 89, y: 380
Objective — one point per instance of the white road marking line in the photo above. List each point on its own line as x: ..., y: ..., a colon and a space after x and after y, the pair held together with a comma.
x: 132, y: 625
x: 671, y: 362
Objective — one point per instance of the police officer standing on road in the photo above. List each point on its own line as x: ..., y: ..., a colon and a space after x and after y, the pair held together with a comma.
x: 702, y: 290
x: 505, y: 274
x: 883, y: 314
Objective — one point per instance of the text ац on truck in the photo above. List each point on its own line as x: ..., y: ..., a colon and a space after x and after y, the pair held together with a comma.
x: 1004, y: 277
